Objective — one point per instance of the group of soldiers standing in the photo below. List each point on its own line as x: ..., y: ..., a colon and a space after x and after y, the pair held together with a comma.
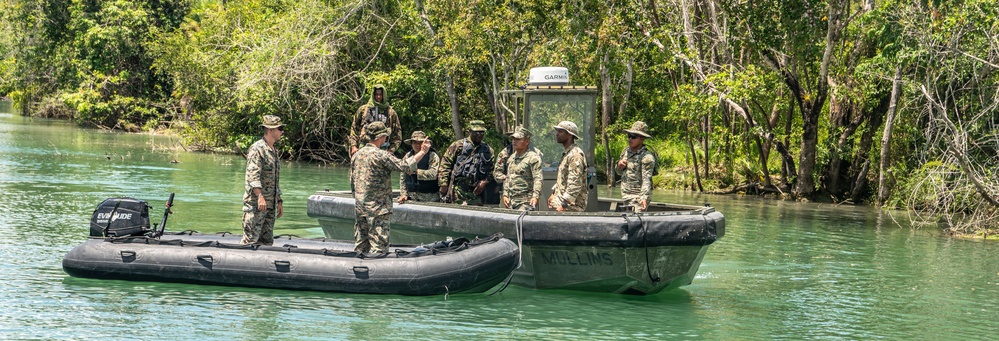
x: 460, y: 176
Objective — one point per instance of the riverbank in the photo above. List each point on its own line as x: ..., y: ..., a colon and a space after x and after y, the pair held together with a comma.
x: 784, y: 269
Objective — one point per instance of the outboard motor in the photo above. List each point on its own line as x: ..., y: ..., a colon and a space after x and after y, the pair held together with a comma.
x: 116, y: 217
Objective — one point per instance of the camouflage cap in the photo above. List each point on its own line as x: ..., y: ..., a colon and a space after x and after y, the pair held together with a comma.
x: 521, y: 133
x: 417, y: 136
x: 271, y: 121
x: 477, y: 125
x: 377, y: 129
x: 639, y: 128
x: 570, y: 128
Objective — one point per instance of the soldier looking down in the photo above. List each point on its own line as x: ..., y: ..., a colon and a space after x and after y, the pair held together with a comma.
x: 377, y: 109
x: 522, y: 187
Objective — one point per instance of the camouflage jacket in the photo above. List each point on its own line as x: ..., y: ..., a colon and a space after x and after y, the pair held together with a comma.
x: 570, y: 183
x: 371, y: 179
x: 363, y: 116
x: 263, y: 169
x: 636, y: 178
x: 523, y: 177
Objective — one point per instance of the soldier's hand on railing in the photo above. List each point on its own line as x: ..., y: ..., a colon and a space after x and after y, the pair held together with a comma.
x: 534, y: 202
x: 443, y: 190
x: 403, y: 198
x: 506, y: 202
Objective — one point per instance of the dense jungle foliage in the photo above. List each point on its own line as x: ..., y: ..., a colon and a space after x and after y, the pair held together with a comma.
x: 889, y: 102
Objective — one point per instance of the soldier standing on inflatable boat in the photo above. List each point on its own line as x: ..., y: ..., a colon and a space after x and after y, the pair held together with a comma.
x: 420, y: 185
x: 569, y: 192
x: 371, y: 181
x: 523, y: 178
x: 262, y: 202
x: 467, y: 167
x: 636, y: 166
x: 377, y: 109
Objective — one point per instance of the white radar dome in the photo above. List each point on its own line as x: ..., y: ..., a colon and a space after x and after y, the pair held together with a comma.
x: 549, y: 75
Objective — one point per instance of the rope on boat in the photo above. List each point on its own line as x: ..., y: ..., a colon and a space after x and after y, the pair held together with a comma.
x: 520, y: 251
x: 645, y: 244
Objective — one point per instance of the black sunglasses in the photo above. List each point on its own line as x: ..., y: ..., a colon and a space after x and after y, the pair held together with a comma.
x: 281, y: 128
x: 634, y: 136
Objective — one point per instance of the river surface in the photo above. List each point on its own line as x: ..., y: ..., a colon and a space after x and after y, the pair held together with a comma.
x: 784, y: 270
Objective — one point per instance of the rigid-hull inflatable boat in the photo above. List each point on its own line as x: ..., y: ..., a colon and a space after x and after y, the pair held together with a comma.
x: 601, y: 251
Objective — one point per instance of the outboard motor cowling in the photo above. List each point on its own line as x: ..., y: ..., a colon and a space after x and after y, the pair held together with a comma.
x: 116, y: 217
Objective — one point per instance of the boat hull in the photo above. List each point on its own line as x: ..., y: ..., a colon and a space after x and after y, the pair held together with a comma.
x: 600, y: 251
x: 300, y: 264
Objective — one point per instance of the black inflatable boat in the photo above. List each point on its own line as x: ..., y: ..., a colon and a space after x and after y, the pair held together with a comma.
x: 454, y: 266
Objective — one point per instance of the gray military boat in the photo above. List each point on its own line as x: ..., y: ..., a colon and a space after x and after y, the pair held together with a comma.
x: 607, y: 248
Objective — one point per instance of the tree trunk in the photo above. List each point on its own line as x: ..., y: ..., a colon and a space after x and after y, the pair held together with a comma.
x: 452, y: 96
x: 896, y: 88
x: 606, y: 106
x: 693, y: 155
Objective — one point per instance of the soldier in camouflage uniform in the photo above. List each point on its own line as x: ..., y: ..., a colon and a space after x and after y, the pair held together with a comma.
x: 422, y: 184
x: 262, y: 202
x: 371, y: 181
x: 522, y: 186
x: 499, y: 169
x: 635, y: 167
x: 570, y: 190
x: 467, y: 167
x: 377, y: 109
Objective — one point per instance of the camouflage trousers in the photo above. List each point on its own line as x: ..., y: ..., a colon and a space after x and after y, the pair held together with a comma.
x: 425, y: 197
x: 463, y: 194
x: 371, y: 233
x: 258, y: 227
x: 520, y: 203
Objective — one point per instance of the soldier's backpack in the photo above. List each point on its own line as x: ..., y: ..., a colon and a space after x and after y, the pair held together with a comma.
x: 116, y: 217
x: 655, y: 156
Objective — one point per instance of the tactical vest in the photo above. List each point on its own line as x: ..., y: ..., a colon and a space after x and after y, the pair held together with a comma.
x: 422, y: 186
x: 473, y: 163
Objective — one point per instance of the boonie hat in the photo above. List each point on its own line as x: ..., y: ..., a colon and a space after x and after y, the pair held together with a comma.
x: 477, y: 125
x: 521, y: 133
x: 271, y: 121
x: 377, y: 129
x: 417, y: 136
x: 638, y: 128
x: 570, y: 128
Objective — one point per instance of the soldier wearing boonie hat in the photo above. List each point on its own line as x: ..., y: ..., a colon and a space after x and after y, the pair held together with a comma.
x: 570, y: 190
x: 420, y: 185
x: 262, y: 203
x: 636, y: 166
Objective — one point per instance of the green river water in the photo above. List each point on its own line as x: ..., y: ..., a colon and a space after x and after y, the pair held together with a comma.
x: 784, y: 270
